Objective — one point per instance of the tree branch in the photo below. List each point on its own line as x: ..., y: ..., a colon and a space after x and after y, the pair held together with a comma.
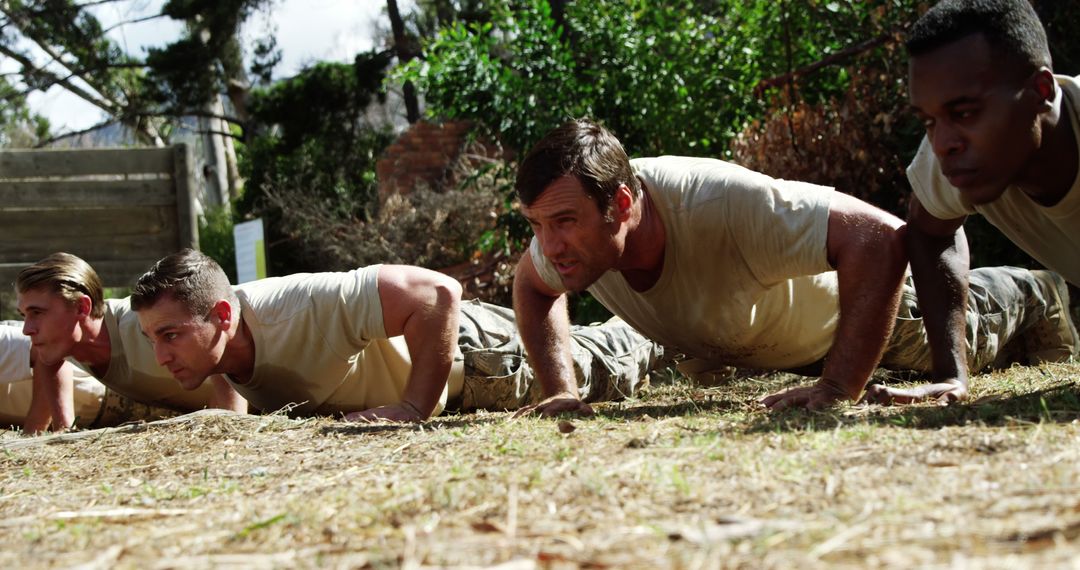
x: 830, y: 60
x: 135, y: 21
x: 20, y: 21
x: 103, y: 104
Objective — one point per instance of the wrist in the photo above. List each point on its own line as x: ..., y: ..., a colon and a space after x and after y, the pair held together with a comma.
x: 840, y: 390
x: 414, y: 409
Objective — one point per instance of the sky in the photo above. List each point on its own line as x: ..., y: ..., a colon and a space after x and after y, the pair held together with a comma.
x: 307, y: 31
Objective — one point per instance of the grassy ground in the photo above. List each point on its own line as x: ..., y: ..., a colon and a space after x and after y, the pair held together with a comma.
x: 684, y: 477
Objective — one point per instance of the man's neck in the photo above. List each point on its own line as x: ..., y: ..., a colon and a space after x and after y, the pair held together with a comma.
x: 238, y: 360
x: 643, y: 257
x: 1055, y: 166
x: 94, y: 347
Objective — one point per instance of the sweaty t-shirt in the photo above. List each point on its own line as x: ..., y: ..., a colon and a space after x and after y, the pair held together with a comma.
x: 746, y: 279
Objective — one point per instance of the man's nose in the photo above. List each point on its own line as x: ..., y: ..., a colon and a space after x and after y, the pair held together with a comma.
x: 551, y: 243
x: 162, y: 355
x: 946, y: 140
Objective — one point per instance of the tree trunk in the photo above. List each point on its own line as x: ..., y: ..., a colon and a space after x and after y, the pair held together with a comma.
x: 404, y: 54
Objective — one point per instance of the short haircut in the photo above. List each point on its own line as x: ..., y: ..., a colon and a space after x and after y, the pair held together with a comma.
x: 581, y: 148
x: 188, y: 276
x: 65, y: 275
x: 1011, y: 27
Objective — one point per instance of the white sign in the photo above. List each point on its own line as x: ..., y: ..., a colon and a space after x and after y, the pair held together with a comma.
x: 250, y: 251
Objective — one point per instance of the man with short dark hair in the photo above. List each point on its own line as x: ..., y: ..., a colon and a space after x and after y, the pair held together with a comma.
x: 385, y: 342
x: 1001, y: 141
x: 727, y: 266
x: 67, y: 317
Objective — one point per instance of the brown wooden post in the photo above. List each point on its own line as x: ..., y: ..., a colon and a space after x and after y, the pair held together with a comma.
x: 187, y: 218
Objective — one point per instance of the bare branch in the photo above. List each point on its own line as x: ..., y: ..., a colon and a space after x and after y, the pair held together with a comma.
x: 830, y: 60
x: 135, y: 21
x: 222, y: 133
x: 101, y: 103
x: 20, y: 21
x: 98, y: 3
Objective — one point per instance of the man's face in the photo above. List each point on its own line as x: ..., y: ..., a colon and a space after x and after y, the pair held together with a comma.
x: 188, y: 346
x: 51, y: 322
x: 980, y: 115
x: 573, y: 233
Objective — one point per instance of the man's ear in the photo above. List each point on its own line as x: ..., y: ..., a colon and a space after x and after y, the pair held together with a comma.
x: 84, y: 306
x: 223, y: 311
x: 623, y: 202
x: 1045, y: 86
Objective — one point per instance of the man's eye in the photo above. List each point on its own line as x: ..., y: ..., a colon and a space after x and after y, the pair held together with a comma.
x: 171, y: 336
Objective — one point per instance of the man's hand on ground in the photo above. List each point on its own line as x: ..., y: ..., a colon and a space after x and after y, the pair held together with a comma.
x: 564, y: 403
x: 821, y: 395
x: 944, y: 392
x: 402, y: 412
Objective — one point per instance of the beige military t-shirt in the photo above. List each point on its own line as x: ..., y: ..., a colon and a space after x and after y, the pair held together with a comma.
x: 16, y: 385
x: 133, y: 368
x: 320, y: 344
x: 746, y: 280
x: 1050, y: 235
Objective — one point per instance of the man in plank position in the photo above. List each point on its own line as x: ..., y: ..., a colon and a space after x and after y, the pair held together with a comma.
x: 1001, y: 141
x: 385, y: 342
x: 67, y: 317
x: 727, y: 266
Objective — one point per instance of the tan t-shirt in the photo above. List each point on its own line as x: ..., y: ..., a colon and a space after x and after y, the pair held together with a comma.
x: 1050, y: 235
x: 16, y: 385
x: 320, y: 343
x: 133, y: 368
x: 746, y: 279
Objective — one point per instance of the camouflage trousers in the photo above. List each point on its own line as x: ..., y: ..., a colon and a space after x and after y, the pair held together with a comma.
x: 611, y: 360
x: 118, y: 409
x: 1003, y: 302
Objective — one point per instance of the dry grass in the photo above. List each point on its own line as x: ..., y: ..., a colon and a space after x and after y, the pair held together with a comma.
x: 681, y: 478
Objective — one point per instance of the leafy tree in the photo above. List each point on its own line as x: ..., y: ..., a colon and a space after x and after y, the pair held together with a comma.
x: 144, y: 94
x: 321, y: 148
x: 19, y: 127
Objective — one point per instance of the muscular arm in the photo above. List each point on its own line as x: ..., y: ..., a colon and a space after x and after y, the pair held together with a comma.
x: 544, y: 325
x: 866, y: 247
x: 52, y: 398
x: 225, y: 397
x: 939, y: 266
x: 422, y: 305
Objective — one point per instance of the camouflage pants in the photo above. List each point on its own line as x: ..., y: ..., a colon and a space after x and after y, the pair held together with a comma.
x: 1002, y: 303
x: 117, y: 409
x: 611, y: 360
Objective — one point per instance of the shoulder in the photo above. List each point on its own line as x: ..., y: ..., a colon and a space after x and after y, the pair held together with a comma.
x: 276, y: 298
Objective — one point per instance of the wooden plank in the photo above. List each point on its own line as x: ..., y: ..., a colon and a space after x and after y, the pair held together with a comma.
x: 93, y: 193
x: 186, y: 208
x: 76, y: 224
x: 121, y: 273
x: 97, y: 247
x: 84, y: 162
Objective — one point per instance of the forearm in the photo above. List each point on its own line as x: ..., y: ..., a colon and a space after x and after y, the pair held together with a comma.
x: 52, y: 390
x: 431, y: 334
x: 939, y: 266
x: 225, y: 397
x: 544, y: 325
x: 866, y: 321
x: 40, y: 415
x: 870, y: 268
